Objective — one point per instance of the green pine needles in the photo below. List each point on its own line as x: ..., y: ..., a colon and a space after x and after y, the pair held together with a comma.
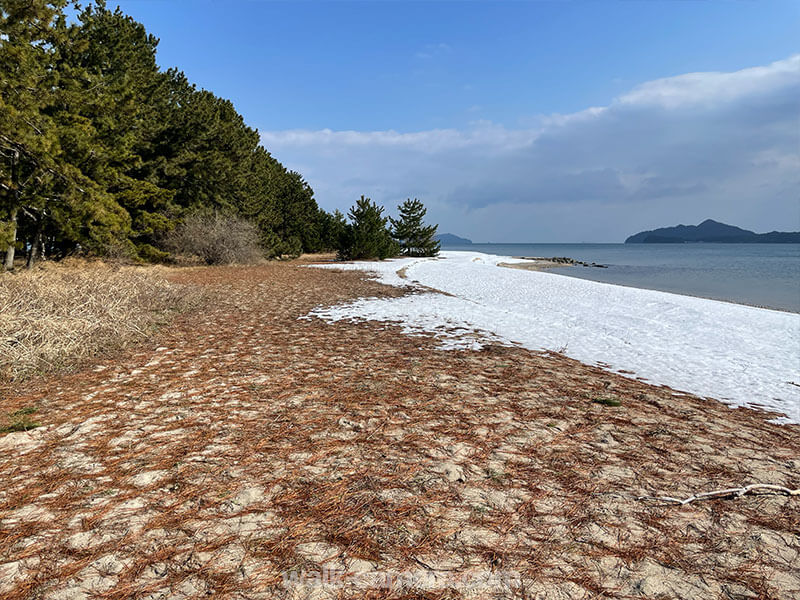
x: 367, y: 236
x: 371, y: 235
x: 415, y: 238
x: 103, y: 152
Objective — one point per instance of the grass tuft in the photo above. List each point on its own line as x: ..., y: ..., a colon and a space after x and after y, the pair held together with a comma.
x: 607, y: 401
x: 59, y: 314
x: 20, y: 420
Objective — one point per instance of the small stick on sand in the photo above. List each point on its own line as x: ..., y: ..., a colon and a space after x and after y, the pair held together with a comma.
x: 732, y: 492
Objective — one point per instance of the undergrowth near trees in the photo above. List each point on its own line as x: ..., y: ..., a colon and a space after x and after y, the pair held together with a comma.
x: 217, y: 240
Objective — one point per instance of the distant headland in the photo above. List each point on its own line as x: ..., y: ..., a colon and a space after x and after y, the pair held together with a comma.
x: 448, y: 239
x: 712, y: 232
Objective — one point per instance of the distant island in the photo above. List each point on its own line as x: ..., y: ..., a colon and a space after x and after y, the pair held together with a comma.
x: 712, y: 231
x: 448, y: 239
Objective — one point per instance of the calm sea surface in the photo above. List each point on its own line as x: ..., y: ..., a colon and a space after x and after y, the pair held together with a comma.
x: 759, y: 274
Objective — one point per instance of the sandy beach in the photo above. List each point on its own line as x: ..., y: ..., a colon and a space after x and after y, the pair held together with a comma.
x: 533, y: 265
x: 537, y: 263
x: 250, y: 448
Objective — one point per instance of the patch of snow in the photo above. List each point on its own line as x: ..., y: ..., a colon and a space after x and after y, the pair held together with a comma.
x: 741, y: 355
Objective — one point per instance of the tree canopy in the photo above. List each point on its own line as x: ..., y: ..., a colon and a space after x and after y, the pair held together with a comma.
x: 415, y: 238
x: 102, y: 151
x: 370, y: 234
x: 367, y: 235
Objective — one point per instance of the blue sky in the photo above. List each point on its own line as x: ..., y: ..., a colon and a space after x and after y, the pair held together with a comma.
x: 394, y: 99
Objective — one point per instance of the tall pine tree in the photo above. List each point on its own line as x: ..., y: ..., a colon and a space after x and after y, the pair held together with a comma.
x: 119, y: 86
x: 101, y: 151
x: 415, y: 238
x: 367, y: 236
x: 27, y: 138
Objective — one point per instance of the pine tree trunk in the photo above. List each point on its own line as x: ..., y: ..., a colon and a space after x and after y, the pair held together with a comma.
x: 37, y: 241
x: 12, y: 246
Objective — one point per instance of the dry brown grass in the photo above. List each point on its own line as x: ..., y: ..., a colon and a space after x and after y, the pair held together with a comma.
x: 59, y: 314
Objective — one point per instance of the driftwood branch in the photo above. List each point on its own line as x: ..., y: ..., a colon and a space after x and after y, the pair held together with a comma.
x: 729, y: 493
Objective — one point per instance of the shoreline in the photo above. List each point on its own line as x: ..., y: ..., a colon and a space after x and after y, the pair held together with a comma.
x: 638, y: 332
x: 743, y: 274
x: 545, y: 265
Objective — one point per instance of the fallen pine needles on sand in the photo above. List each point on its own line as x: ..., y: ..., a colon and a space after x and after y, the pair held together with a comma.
x: 249, y: 453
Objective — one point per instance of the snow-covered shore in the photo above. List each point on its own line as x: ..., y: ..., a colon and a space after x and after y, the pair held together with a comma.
x: 741, y: 355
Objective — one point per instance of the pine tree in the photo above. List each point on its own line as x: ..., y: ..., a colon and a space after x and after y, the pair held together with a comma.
x: 297, y: 227
x: 101, y: 151
x: 27, y: 140
x: 116, y: 93
x: 60, y: 168
x: 332, y: 228
x: 415, y: 238
x: 367, y: 235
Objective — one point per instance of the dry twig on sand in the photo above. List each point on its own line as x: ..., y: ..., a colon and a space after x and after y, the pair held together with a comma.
x: 731, y: 492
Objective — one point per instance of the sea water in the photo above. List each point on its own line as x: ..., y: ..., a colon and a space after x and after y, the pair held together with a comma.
x: 766, y: 275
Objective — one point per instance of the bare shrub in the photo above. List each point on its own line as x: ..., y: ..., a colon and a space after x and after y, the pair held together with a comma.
x: 216, y: 239
x: 57, y: 315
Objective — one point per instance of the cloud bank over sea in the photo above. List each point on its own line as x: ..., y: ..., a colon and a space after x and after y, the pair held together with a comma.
x: 722, y: 145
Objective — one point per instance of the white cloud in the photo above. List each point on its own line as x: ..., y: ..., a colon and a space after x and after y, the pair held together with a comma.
x: 680, y: 149
x: 714, y: 87
x: 431, y: 141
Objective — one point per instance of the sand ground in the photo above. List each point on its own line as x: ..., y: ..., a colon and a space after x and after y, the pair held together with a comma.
x: 246, y: 445
x: 534, y: 265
